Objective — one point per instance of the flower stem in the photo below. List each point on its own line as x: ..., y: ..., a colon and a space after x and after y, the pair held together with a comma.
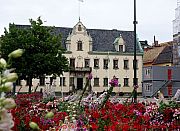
x: 87, y: 83
x: 106, y: 97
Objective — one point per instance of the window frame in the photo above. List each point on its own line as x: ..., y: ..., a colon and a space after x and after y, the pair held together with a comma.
x: 105, y: 63
x: 126, y: 64
x: 126, y: 82
x: 79, y: 45
x: 72, y: 63
x: 105, y: 82
x: 86, y: 63
x: 96, y: 63
x: 120, y: 47
x: 42, y: 81
x: 96, y: 82
x: 147, y: 72
x: 115, y: 64
x: 148, y: 87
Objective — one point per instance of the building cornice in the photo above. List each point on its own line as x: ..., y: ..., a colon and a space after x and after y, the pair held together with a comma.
x: 113, y: 53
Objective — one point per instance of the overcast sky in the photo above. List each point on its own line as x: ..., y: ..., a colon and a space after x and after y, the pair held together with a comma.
x: 154, y: 16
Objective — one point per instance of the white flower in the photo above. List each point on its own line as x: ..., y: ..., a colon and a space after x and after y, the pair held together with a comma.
x: 7, y: 86
x: 6, y: 122
x: 9, y: 103
x: 17, y: 53
x: 11, y: 77
x: 3, y: 63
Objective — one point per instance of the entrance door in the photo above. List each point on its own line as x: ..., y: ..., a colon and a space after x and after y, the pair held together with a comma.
x: 79, y: 83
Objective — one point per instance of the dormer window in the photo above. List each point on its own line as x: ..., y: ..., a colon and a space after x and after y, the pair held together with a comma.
x: 119, y: 44
x: 79, y: 45
x: 79, y: 28
x: 120, y: 48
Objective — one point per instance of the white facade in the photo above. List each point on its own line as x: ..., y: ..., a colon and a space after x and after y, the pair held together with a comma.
x: 103, y: 64
x: 176, y: 36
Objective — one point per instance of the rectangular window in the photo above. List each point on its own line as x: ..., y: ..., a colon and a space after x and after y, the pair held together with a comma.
x: 105, y: 82
x: 148, y: 87
x: 71, y: 81
x: 18, y: 82
x: 120, y: 48
x: 51, y: 80
x: 126, y: 64
x: 62, y: 81
x: 115, y: 64
x: 87, y: 63
x: 96, y: 63
x: 96, y: 81
x: 147, y: 72
x: 79, y: 46
x: 126, y: 81
x: 42, y: 81
x: 72, y: 63
x: 105, y: 63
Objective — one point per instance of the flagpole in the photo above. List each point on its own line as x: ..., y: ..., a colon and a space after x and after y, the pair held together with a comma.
x: 79, y: 9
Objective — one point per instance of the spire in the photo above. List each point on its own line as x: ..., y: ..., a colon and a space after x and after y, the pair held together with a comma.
x: 79, y: 1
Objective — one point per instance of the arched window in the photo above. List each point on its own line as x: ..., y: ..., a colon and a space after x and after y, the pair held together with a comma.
x: 79, y: 46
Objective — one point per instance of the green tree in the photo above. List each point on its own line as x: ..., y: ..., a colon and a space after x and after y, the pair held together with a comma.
x: 42, y: 50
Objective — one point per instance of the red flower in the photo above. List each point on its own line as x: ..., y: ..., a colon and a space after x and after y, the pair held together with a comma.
x: 94, y: 126
x: 95, y: 114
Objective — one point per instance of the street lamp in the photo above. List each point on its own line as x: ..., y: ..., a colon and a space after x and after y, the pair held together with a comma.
x: 135, y: 61
x: 135, y: 84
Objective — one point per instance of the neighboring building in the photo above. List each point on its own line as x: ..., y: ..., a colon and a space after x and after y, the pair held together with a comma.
x: 159, y: 55
x: 159, y: 73
x: 106, y: 53
x: 163, y: 78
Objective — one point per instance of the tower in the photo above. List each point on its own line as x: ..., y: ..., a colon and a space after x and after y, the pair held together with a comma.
x: 176, y: 35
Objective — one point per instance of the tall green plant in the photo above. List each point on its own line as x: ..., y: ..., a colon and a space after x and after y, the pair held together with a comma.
x: 7, y: 77
x: 43, y: 50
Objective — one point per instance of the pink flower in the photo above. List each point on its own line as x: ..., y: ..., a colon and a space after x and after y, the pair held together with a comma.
x: 90, y: 76
x: 114, y: 82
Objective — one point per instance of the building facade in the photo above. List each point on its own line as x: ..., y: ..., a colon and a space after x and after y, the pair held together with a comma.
x: 104, y: 53
x: 160, y: 78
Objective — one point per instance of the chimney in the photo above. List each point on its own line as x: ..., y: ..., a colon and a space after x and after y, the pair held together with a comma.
x: 155, y: 42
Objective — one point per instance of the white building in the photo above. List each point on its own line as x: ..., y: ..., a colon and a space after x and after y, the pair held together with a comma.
x: 176, y: 36
x: 106, y: 53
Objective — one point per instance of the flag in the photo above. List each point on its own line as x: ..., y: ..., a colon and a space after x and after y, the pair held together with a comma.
x: 81, y: 0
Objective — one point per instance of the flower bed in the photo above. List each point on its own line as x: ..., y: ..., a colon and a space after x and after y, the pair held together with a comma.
x: 113, y: 116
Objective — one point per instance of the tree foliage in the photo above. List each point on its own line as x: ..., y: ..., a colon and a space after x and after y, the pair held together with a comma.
x: 43, y: 50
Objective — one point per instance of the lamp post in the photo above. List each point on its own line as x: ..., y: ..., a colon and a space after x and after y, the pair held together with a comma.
x: 135, y: 61
x: 135, y: 84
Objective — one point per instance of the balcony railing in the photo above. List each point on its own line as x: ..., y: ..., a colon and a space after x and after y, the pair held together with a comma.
x: 80, y: 69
